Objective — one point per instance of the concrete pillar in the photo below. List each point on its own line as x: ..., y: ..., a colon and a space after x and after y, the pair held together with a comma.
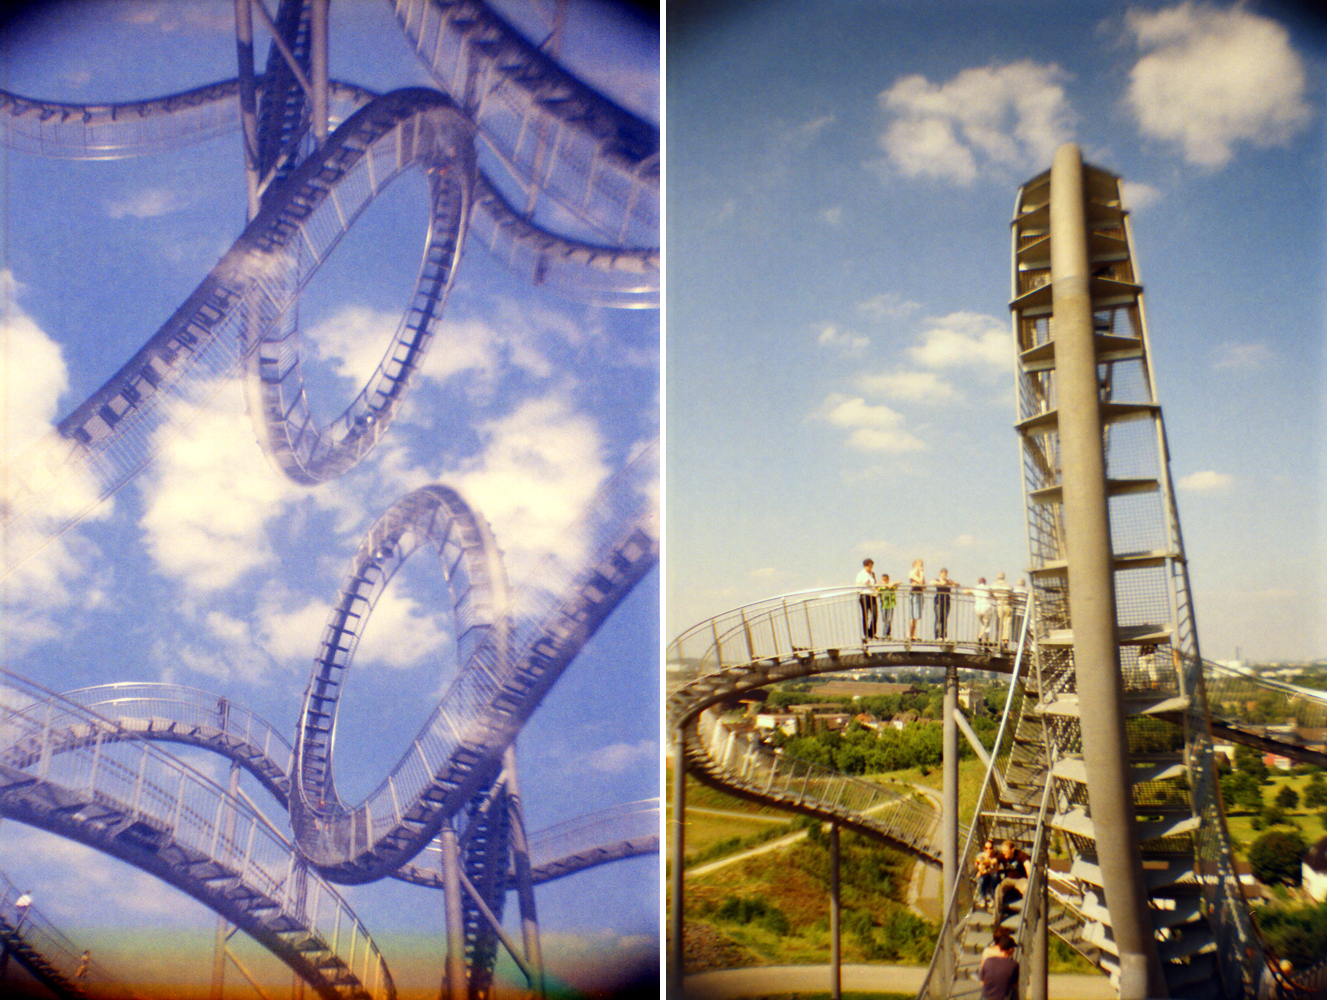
x: 835, y: 931
x: 676, y: 852
x: 1092, y: 585
x: 949, y: 818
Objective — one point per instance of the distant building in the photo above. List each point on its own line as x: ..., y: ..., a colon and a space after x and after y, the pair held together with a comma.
x: 784, y: 721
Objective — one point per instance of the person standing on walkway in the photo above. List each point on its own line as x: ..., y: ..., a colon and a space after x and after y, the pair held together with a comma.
x: 984, y: 605
x: 917, y: 586
x: 866, y: 588
x: 22, y: 904
x: 885, y: 591
x: 999, y: 972
x: 1004, y: 610
x: 943, y: 587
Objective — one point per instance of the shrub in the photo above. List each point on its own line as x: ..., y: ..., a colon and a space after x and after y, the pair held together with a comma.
x: 1275, y: 857
x: 737, y: 910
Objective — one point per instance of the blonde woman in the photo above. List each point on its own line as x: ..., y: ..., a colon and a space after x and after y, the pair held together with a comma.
x: 917, y: 584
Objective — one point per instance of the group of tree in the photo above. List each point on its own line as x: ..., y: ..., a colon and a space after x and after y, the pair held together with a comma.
x: 860, y: 750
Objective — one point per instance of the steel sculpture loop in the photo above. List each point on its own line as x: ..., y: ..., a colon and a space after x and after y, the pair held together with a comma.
x: 435, y: 517
x: 238, y: 307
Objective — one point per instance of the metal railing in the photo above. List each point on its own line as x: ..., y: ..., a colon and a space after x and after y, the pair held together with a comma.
x: 742, y: 762
x: 814, y: 621
x: 982, y: 828
x: 58, y: 772
x: 189, y: 715
x: 59, y: 954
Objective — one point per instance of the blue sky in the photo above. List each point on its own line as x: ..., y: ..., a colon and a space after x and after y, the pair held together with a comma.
x: 841, y: 179
x: 210, y: 569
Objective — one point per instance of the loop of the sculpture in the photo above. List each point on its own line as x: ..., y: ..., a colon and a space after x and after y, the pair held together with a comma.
x: 287, y: 429
x: 396, y: 820
x: 245, y: 298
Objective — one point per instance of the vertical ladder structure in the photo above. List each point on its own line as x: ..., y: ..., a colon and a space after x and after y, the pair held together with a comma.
x: 1134, y: 799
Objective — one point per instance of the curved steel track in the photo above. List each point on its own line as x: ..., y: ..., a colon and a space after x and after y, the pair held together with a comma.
x: 99, y: 778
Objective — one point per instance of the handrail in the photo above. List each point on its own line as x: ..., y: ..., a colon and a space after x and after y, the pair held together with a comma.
x: 812, y: 621
x: 125, y: 796
x: 743, y: 764
x: 961, y: 887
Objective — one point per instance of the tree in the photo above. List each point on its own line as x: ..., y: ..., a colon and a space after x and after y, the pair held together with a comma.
x: 1275, y: 857
x: 1315, y: 792
x: 1287, y: 798
x: 1250, y: 761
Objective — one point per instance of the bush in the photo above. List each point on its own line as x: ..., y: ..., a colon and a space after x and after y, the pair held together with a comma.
x: 1275, y: 857
x: 737, y: 910
x: 1287, y: 798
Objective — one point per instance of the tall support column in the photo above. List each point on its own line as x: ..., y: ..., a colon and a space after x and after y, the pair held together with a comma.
x: 453, y: 983
x: 1092, y: 587
x: 676, y: 852
x: 520, y: 849
x: 219, y: 945
x: 835, y: 931
x: 248, y: 102
x: 318, y: 68
x: 1037, y: 945
x: 949, y: 817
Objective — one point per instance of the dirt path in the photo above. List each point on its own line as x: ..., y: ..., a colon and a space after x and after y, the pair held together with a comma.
x: 729, y: 984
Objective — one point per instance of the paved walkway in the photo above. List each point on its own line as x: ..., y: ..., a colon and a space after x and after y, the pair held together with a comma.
x: 728, y: 984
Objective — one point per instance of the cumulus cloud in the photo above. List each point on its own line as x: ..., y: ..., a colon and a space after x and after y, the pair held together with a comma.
x: 914, y: 387
x: 31, y: 385
x: 1244, y: 356
x: 870, y: 427
x: 887, y: 306
x: 150, y: 203
x: 1135, y: 195
x: 965, y: 339
x: 1211, y: 78
x: 539, y: 470
x: 832, y: 215
x: 1206, y: 481
x: 209, y: 495
x: 618, y: 757
x: 845, y: 341
x: 1008, y: 118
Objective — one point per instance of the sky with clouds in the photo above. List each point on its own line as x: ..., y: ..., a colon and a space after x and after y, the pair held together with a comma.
x: 839, y: 350
x: 210, y: 569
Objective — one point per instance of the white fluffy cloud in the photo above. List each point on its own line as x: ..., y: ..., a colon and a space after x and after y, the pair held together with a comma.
x: 1206, y: 481
x: 965, y: 339
x: 1211, y: 78
x: 871, y: 427
x: 993, y: 117
x: 209, y: 495
x: 150, y: 203
x: 914, y: 387
x: 846, y: 341
x: 1244, y: 356
x: 538, y: 472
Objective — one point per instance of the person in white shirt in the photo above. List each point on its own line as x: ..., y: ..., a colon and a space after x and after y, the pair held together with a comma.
x: 866, y: 584
x: 984, y: 606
